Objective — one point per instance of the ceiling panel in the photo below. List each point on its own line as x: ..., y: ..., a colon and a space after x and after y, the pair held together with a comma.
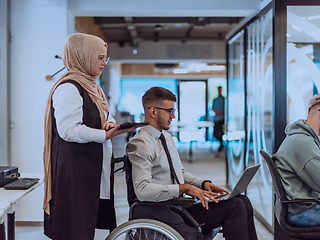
x: 138, y: 29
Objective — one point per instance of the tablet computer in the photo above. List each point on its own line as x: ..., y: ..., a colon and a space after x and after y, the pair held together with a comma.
x: 132, y: 124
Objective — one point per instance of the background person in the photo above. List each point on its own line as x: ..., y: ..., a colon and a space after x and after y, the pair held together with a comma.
x: 77, y: 150
x: 218, y: 108
x: 298, y: 163
x: 153, y: 182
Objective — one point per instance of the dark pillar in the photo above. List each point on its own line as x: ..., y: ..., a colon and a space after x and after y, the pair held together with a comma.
x: 279, y: 87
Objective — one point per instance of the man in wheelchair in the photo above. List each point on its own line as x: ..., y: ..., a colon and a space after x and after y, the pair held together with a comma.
x: 158, y: 175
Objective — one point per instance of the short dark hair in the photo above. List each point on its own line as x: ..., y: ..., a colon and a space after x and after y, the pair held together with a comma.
x: 156, y: 94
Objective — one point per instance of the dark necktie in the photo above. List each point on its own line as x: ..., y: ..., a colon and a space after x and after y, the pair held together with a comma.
x: 173, y: 173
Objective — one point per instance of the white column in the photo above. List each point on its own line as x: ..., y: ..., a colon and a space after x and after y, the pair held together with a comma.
x: 39, y: 31
x: 4, y: 119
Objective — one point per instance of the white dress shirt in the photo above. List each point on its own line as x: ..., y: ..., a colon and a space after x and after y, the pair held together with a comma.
x: 67, y: 103
x: 150, y: 168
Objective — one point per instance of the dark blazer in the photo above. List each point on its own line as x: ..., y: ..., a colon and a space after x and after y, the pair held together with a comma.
x: 76, y: 176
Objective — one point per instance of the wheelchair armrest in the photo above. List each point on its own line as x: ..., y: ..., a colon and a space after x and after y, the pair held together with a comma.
x: 301, y: 201
x: 180, y: 201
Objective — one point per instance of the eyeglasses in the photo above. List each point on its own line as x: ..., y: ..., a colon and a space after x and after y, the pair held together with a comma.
x: 169, y: 110
x: 104, y: 59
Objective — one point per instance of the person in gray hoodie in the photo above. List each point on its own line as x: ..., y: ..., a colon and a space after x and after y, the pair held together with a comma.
x: 298, y: 164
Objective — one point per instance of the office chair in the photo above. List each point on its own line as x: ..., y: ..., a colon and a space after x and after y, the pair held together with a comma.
x: 281, y: 206
x: 172, y: 212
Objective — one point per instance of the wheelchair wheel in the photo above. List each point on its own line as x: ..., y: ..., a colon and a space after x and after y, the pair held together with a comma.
x: 143, y: 229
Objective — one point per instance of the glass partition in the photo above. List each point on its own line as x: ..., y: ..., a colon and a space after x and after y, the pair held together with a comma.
x: 271, y: 78
x: 260, y: 112
x: 303, y: 59
x: 250, y: 109
x: 235, y: 125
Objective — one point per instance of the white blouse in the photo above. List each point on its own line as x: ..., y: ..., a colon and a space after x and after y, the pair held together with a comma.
x: 67, y: 103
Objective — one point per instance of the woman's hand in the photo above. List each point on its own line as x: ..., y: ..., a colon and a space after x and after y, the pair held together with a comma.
x: 112, y: 131
x: 108, y: 125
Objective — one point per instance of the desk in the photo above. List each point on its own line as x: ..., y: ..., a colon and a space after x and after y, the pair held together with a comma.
x: 190, y: 127
x: 11, y: 198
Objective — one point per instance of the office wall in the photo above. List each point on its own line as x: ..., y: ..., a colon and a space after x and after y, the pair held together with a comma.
x: 39, y: 30
x: 114, y: 86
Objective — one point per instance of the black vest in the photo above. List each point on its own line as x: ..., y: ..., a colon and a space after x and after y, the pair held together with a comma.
x: 76, y: 175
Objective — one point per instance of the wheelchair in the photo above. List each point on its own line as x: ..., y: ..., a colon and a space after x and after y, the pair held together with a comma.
x: 157, y: 220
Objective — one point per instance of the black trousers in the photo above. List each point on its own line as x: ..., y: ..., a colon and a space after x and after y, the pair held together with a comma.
x: 234, y: 215
x: 218, y: 132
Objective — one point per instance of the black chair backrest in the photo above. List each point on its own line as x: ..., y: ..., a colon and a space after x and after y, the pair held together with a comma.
x: 279, y: 207
x: 131, y: 196
x: 127, y: 168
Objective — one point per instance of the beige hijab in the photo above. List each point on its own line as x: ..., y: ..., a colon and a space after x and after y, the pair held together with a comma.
x: 79, y: 56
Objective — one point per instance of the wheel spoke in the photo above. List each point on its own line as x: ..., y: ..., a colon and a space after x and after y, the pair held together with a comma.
x: 144, y: 229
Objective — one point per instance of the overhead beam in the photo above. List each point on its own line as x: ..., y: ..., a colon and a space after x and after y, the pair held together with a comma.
x: 146, y: 21
x: 132, y: 30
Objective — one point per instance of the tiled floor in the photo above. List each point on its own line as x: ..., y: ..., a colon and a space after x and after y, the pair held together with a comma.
x: 205, y: 165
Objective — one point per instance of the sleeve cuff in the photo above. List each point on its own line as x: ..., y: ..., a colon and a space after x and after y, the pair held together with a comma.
x: 100, y: 135
x: 174, y: 190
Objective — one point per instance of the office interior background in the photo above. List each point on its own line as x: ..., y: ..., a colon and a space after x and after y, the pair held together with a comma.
x: 265, y: 54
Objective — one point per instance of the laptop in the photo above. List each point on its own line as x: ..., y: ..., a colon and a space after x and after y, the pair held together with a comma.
x: 242, y: 183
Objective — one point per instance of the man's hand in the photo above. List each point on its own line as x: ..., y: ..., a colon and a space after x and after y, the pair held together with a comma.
x: 198, y: 193
x: 214, y: 188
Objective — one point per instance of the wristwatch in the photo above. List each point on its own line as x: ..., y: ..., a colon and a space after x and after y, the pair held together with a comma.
x: 202, y: 184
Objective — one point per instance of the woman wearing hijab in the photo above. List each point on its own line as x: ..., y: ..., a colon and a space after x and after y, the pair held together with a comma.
x: 77, y: 151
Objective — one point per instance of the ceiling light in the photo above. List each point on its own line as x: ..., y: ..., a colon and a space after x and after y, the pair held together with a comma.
x: 158, y: 27
x: 214, y: 68
x: 135, y: 51
x: 180, y: 71
x: 186, y: 67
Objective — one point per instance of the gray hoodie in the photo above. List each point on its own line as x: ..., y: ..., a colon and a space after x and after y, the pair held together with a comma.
x: 298, y: 164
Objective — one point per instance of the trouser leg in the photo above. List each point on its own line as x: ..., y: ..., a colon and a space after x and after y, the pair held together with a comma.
x: 307, y: 218
x: 218, y: 133
x: 232, y: 215
x: 250, y: 217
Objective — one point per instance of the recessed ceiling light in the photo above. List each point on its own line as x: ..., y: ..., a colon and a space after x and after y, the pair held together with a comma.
x: 158, y: 27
